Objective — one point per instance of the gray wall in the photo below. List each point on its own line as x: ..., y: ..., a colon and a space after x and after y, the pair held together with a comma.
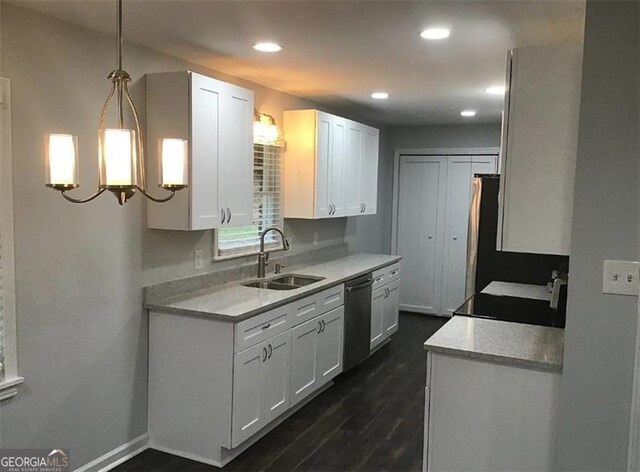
x: 428, y: 137
x: 601, y: 329
x: 82, y: 334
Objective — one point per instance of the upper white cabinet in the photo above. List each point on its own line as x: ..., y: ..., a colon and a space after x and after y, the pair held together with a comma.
x: 539, y: 144
x: 217, y: 120
x: 331, y: 166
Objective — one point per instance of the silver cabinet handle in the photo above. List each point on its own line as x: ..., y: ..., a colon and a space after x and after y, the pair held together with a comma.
x: 228, y: 215
x: 319, y: 326
x: 324, y: 325
x: 264, y: 354
x: 266, y: 326
x: 364, y: 207
x: 223, y: 215
x: 270, y: 351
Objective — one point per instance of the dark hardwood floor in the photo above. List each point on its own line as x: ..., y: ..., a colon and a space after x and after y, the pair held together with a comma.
x: 370, y: 420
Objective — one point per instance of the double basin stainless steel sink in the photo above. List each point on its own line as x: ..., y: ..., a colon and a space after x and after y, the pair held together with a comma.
x: 284, y: 282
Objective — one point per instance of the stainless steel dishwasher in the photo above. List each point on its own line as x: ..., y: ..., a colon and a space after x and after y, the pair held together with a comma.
x: 357, y: 321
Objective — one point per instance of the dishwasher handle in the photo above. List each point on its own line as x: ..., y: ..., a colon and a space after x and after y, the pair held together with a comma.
x: 353, y: 288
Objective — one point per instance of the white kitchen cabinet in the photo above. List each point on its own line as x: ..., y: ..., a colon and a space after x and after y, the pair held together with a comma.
x: 216, y: 118
x: 260, y: 385
x: 369, y: 171
x: 385, y: 304
x: 391, y: 309
x: 330, y: 345
x: 377, y: 313
x: 304, y: 368
x: 331, y: 166
x: 316, y: 352
x: 539, y: 145
x: 432, y: 224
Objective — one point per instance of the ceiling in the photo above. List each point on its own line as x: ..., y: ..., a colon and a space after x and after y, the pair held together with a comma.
x: 341, y: 51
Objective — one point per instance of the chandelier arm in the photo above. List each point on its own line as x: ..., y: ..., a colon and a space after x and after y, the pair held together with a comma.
x: 107, y: 104
x: 141, y: 157
x: 157, y: 200
x: 85, y: 200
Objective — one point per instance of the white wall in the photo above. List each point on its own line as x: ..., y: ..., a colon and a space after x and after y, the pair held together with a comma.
x: 600, y: 333
x: 82, y: 333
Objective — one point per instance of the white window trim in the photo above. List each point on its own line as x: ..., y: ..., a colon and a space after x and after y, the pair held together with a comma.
x: 253, y: 250
x: 8, y: 386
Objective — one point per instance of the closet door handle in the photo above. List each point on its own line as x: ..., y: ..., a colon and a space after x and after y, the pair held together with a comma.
x: 228, y: 215
x: 223, y: 215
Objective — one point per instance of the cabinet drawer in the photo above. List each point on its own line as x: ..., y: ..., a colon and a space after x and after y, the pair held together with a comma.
x: 379, y: 278
x: 330, y: 298
x: 255, y: 330
x: 315, y: 305
x: 393, y: 272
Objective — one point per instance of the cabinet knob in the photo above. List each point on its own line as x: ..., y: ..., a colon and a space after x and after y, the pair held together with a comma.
x: 430, y: 236
x: 455, y: 238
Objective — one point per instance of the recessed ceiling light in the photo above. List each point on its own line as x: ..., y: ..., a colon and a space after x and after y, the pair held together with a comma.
x: 468, y: 113
x: 380, y: 95
x: 435, y: 33
x: 495, y: 90
x: 267, y: 47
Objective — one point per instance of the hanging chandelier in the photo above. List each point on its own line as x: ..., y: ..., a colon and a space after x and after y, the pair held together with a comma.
x: 120, y: 150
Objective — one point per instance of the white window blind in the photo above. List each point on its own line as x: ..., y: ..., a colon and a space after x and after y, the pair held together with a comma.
x: 267, y: 206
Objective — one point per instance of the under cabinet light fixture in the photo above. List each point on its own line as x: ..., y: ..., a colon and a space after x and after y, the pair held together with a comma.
x: 120, y: 150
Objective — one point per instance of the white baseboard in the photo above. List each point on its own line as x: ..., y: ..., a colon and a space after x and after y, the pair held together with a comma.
x: 117, y: 456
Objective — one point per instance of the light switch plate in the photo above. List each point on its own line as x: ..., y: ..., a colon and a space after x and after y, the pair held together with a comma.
x: 621, y: 277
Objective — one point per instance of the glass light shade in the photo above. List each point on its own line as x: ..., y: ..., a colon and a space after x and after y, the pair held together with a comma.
x: 265, y: 131
x: 173, y: 162
x: 118, y: 158
x: 62, y: 160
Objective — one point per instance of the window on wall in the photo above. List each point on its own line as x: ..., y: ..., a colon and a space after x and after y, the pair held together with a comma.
x: 267, y: 207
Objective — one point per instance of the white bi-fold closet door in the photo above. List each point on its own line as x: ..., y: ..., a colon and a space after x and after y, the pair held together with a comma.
x: 434, y: 197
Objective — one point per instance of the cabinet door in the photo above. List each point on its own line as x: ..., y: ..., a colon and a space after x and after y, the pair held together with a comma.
x: 330, y: 346
x: 461, y: 170
x: 539, y: 149
x: 337, y: 158
x: 420, y: 230
x: 369, y: 171
x: 377, y: 313
x: 275, y: 377
x: 391, y: 309
x: 205, y: 136
x: 323, y: 162
x: 353, y: 169
x: 235, y: 179
x: 247, y: 411
x: 304, y: 376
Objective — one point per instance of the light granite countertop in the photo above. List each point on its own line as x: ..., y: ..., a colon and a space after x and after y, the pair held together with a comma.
x: 502, y: 342
x: 512, y: 289
x: 233, y: 302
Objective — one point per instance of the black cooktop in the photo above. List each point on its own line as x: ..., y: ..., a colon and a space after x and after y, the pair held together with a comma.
x: 513, y: 309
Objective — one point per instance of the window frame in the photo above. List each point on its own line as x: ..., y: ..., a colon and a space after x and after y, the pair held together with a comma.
x: 271, y: 246
x: 11, y: 379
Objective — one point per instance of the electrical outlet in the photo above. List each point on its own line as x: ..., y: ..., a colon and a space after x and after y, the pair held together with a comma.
x: 621, y: 277
x: 315, y: 239
x: 198, y: 259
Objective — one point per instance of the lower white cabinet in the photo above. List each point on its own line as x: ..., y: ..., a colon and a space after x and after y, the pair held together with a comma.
x: 260, y: 385
x: 385, y: 304
x: 316, y: 352
x: 377, y: 313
